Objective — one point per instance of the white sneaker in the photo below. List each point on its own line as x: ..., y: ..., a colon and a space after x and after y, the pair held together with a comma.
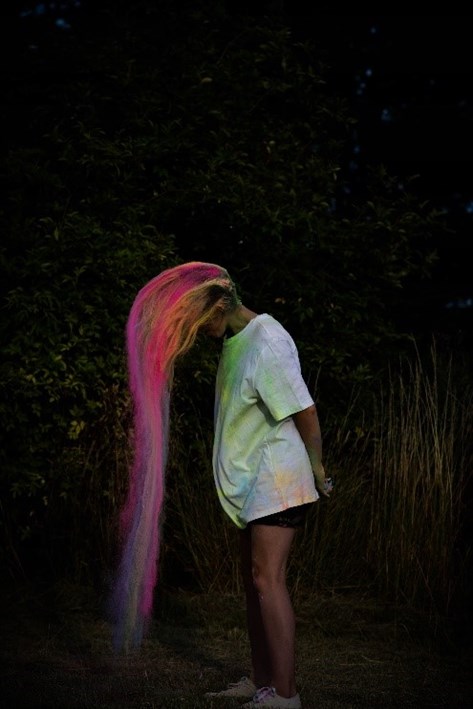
x: 267, y: 697
x: 244, y: 688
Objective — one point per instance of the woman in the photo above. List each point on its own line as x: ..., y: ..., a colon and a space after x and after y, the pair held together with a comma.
x: 267, y: 459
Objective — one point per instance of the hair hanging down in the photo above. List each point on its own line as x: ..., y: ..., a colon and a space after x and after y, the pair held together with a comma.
x: 163, y: 324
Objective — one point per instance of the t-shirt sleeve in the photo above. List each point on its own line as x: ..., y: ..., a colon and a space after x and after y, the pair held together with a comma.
x: 278, y: 380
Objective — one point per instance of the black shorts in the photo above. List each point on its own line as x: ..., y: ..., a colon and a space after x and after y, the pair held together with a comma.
x: 292, y: 517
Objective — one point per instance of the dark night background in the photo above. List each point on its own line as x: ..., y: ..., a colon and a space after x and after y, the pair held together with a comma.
x: 408, y: 84
x: 408, y: 81
x: 110, y: 168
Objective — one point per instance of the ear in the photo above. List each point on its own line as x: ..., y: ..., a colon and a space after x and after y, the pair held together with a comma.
x: 220, y: 306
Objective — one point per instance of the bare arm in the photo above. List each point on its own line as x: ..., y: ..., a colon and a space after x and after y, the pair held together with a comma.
x: 307, y: 423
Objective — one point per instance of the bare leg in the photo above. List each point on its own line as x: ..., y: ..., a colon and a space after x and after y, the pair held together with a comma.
x: 270, y: 548
x: 261, y: 664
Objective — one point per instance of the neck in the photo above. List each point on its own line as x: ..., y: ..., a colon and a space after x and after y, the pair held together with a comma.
x: 240, y: 318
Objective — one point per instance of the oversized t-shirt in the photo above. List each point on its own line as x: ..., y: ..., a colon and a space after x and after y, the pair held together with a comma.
x: 261, y: 465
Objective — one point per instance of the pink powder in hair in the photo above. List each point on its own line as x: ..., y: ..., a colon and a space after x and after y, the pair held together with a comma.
x: 150, y: 360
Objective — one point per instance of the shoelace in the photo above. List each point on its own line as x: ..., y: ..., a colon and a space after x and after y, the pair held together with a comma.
x: 263, y: 693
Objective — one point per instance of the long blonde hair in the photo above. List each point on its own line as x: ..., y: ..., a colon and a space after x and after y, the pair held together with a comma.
x: 164, y: 321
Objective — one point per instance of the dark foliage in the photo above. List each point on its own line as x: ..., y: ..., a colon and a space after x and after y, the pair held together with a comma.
x: 151, y: 135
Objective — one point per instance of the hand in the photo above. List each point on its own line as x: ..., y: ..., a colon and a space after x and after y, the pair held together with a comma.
x: 323, y: 484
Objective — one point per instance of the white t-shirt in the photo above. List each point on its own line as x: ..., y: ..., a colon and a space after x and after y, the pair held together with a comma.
x: 260, y: 462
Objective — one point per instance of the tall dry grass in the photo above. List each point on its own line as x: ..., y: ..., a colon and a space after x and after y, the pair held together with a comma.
x: 421, y: 466
x: 393, y: 526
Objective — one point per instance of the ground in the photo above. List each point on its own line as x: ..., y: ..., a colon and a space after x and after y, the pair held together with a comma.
x: 352, y: 652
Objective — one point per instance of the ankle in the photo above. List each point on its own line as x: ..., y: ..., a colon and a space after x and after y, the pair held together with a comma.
x: 285, y: 691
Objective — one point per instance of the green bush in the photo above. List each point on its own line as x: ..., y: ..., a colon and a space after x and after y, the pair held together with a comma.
x: 63, y: 357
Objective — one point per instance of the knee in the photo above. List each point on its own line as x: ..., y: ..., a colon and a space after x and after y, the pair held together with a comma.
x: 263, y: 580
